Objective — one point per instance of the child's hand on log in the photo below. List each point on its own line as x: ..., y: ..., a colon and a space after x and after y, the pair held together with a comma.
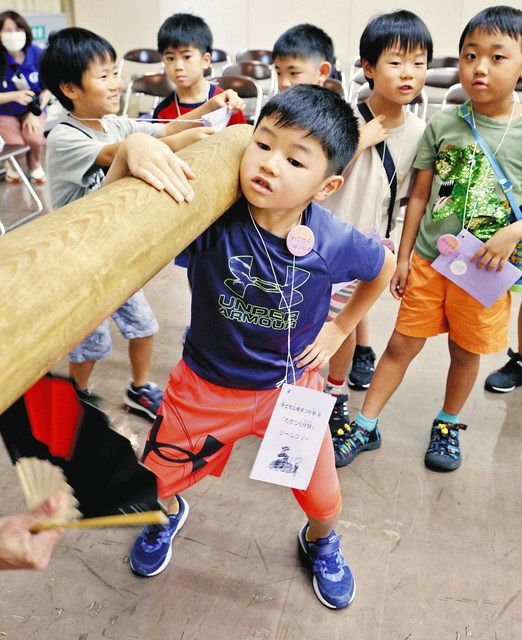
x: 152, y: 161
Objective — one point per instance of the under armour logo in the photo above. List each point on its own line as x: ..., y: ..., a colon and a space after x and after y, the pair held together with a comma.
x: 209, y: 448
x: 241, y: 266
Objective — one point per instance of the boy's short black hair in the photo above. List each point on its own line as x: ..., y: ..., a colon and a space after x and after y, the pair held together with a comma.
x: 499, y: 19
x: 185, y: 30
x: 402, y: 28
x: 68, y: 54
x: 324, y: 114
x: 304, y: 41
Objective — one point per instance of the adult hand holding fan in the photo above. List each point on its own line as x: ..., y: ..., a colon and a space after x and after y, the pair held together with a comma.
x: 50, y: 424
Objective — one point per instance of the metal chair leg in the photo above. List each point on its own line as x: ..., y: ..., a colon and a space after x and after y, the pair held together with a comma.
x: 32, y: 192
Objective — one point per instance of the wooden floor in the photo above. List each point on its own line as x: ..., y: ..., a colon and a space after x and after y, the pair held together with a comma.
x: 435, y: 557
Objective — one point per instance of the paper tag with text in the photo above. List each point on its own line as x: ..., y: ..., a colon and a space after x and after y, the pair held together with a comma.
x: 293, y: 437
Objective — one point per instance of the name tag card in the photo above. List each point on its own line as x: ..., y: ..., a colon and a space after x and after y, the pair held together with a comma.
x: 484, y: 286
x: 293, y: 438
x: 217, y: 119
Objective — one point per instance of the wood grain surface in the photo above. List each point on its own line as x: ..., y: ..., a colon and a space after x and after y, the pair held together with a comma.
x: 63, y: 274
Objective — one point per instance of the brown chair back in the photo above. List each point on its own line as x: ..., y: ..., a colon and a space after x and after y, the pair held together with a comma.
x: 256, y: 55
x: 335, y: 85
x: 252, y: 69
x: 146, y: 56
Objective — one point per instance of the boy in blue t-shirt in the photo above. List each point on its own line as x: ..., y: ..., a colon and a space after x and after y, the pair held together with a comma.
x: 258, y: 314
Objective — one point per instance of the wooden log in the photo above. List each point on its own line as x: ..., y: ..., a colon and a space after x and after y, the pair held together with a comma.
x: 64, y: 273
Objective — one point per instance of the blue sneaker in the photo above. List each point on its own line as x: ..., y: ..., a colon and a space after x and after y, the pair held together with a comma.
x: 508, y: 377
x: 145, y: 399
x: 443, y: 453
x: 152, y: 549
x: 333, y: 582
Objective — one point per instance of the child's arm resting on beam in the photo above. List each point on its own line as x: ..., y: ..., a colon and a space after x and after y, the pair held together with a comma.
x: 175, y: 141
x: 148, y: 158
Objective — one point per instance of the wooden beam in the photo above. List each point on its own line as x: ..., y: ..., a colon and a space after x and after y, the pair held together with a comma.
x: 64, y: 273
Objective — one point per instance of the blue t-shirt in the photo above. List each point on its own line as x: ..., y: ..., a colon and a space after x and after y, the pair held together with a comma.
x: 239, y: 327
x: 30, y: 70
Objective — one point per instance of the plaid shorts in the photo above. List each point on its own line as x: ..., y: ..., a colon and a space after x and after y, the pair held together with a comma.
x: 134, y: 319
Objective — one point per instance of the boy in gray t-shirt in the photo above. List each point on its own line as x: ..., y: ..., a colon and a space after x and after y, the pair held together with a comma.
x: 79, y: 67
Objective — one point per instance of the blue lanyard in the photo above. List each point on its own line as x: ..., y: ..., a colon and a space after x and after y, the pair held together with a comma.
x: 464, y: 111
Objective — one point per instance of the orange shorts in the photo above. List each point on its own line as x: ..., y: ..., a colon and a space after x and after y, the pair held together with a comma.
x: 198, y: 424
x: 432, y: 304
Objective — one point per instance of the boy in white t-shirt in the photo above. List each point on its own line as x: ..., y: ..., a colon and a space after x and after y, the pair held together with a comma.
x: 395, y: 49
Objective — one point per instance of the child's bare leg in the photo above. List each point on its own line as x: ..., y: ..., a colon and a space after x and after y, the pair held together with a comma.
x: 390, y: 371
x: 443, y: 453
x: 140, y: 355
x: 341, y: 360
x: 462, y: 375
x: 363, y: 332
x: 81, y: 372
x: 321, y: 528
x: 173, y: 506
x: 333, y: 581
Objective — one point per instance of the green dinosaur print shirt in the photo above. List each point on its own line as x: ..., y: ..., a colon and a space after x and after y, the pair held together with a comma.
x: 465, y: 188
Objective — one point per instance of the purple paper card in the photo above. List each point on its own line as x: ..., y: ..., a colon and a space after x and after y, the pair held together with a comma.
x: 484, y: 286
x: 217, y: 119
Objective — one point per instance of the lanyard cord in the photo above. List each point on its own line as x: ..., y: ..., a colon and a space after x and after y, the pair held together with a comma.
x: 289, y: 361
x: 380, y: 199
x: 100, y: 120
x: 177, y: 103
x: 473, y: 162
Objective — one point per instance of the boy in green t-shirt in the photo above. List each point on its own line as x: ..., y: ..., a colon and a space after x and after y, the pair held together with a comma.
x: 455, y: 188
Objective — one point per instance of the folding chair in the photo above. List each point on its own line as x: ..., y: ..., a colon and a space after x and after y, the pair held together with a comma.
x: 219, y: 55
x: 8, y: 153
x: 248, y: 89
x: 219, y: 59
x: 141, y: 56
x: 259, y: 71
x: 255, y: 55
x: 357, y: 80
x: 149, y: 84
x: 337, y: 86
x: 444, y: 62
x: 456, y: 95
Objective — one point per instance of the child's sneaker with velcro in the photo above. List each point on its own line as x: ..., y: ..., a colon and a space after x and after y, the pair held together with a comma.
x: 508, y: 377
x: 333, y: 581
x: 339, y: 418
x: 146, y: 399
x: 350, y: 441
x: 363, y: 367
x: 443, y: 453
x: 152, y: 549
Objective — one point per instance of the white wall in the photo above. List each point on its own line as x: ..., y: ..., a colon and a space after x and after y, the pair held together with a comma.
x: 127, y: 24
x: 255, y: 24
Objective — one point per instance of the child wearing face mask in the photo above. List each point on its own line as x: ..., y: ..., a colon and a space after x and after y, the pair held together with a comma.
x: 22, y: 97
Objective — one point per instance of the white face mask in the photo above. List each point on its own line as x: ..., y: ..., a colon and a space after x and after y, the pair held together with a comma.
x: 13, y: 40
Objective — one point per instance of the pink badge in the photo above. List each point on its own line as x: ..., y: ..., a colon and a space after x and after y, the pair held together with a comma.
x: 448, y: 244
x: 300, y: 240
x: 389, y: 243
